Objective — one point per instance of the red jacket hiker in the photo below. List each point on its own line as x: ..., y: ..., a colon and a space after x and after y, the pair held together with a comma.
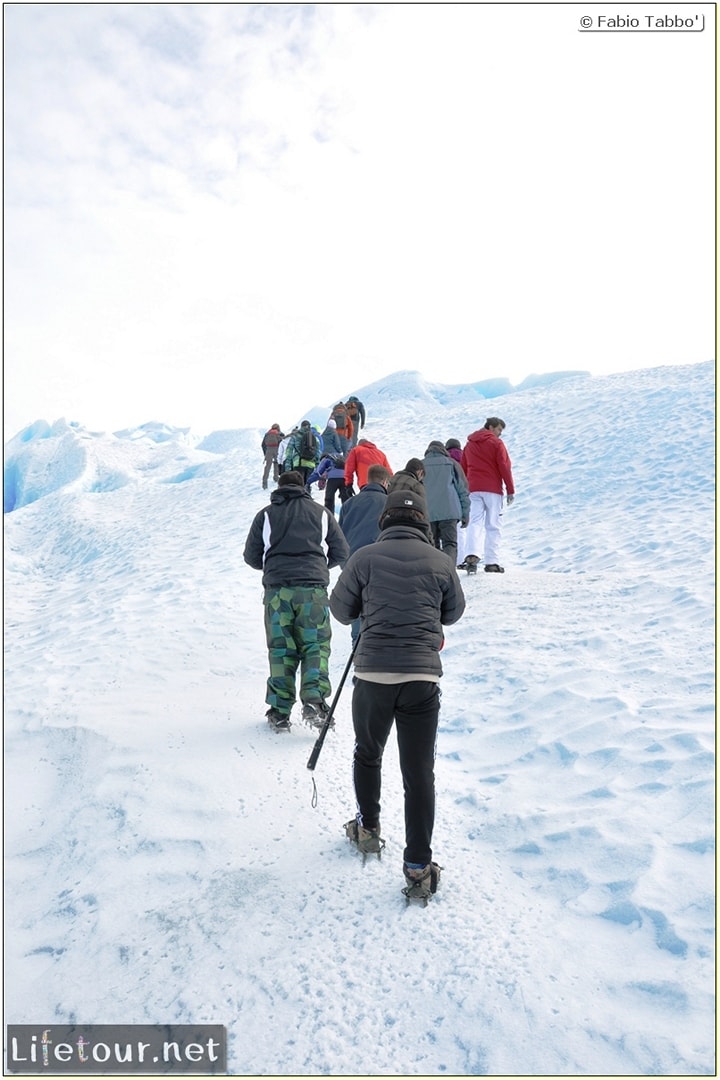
x: 486, y: 463
x: 359, y: 460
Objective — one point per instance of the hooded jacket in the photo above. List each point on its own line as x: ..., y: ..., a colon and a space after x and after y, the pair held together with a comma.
x: 294, y: 540
x: 331, y: 441
x: 359, y: 460
x: 405, y: 590
x: 486, y: 463
x: 446, y: 490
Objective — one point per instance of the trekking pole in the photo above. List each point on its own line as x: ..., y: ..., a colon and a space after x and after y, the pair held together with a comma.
x: 315, y: 754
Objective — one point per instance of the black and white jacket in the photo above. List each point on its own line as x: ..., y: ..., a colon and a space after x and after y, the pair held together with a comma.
x: 295, y: 540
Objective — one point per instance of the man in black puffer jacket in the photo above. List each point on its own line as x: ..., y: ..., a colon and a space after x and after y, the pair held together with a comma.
x: 295, y: 541
x: 405, y: 591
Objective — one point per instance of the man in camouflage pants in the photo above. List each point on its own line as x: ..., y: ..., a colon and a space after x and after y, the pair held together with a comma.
x: 295, y: 541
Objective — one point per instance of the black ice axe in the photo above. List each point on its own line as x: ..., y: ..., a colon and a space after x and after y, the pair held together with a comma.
x: 315, y: 754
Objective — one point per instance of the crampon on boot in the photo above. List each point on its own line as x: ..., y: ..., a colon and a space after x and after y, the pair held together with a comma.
x: 422, y: 882
x: 315, y: 713
x: 278, y: 721
x: 367, y: 841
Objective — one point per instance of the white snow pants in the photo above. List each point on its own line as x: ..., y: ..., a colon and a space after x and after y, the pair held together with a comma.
x: 461, y: 534
x: 486, y: 509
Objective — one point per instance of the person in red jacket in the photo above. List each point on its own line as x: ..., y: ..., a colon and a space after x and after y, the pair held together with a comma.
x: 359, y: 460
x: 486, y: 463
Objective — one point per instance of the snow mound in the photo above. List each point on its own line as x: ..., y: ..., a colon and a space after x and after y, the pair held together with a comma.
x: 44, y: 459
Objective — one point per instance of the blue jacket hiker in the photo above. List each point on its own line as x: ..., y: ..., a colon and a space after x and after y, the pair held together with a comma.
x: 329, y: 475
x: 360, y: 518
x: 295, y: 542
x: 332, y: 443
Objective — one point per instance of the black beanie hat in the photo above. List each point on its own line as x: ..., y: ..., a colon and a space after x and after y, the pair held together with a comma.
x: 292, y: 477
x: 404, y: 499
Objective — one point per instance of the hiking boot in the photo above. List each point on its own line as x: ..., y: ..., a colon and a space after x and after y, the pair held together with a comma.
x: 315, y: 714
x: 493, y: 568
x: 471, y: 564
x: 368, y: 841
x: 422, y: 881
x: 278, y: 721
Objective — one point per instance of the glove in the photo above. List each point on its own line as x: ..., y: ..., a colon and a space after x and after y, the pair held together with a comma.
x: 321, y: 483
x: 510, y: 500
x: 464, y: 523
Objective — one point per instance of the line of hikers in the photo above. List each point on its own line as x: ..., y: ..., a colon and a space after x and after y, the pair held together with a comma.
x: 396, y: 590
x: 464, y: 489
x: 303, y: 448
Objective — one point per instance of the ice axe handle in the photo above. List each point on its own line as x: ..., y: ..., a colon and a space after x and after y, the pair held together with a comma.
x: 315, y: 753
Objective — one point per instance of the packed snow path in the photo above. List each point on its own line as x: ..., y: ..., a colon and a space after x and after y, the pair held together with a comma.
x: 165, y: 862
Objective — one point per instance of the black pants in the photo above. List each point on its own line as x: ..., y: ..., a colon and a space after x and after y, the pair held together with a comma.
x: 445, y: 537
x: 415, y: 707
x: 335, y: 486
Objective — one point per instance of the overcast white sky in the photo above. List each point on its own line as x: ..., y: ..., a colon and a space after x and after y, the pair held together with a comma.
x: 217, y: 215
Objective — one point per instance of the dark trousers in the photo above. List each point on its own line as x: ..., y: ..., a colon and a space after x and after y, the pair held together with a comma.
x: 444, y: 535
x: 415, y: 708
x: 271, y: 462
x: 335, y: 486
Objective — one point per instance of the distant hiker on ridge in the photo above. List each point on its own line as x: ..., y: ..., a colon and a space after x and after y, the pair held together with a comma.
x: 343, y: 425
x: 356, y: 412
x: 270, y: 446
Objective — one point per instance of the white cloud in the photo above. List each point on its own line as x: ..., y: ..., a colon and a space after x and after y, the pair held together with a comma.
x: 473, y: 188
